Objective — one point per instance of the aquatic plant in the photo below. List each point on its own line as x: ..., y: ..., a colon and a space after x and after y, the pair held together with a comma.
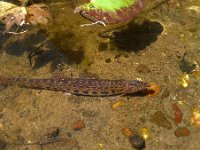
x: 110, y: 11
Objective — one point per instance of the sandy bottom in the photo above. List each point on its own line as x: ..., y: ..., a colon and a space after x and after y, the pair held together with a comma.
x: 161, y: 46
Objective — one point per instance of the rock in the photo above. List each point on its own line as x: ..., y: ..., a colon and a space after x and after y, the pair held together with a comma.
x: 178, y: 115
x: 159, y: 119
x: 142, y: 69
x: 195, y: 118
x: 118, y: 104
x: 137, y: 141
x: 181, y: 131
x: 79, y: 124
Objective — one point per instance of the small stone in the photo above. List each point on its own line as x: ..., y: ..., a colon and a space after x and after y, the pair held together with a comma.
x: 153, y: 90
x: 118, y: 104
x: 181, y: 131
x: 145, y: 132
x: 79, y: 124
x: 183, y: 80
x: 137, y: 141
x: 195, y: 118
x: 178, y: 115
x: 142, y: 69
x: 159, y: 119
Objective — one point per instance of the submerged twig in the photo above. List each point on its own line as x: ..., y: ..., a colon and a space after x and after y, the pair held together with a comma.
x: 94, y: 23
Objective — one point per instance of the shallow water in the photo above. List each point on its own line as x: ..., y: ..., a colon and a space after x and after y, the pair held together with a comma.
x: 161, y: 45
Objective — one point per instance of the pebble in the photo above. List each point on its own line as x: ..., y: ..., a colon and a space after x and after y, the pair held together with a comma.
x: 159, y: 119
x: 195, y: 118
x: 142, y: 69
x: 77, y: 125
x: 137, y: 141
x: 178, y: 115
x: 118, y: 104
x: 181, y: 131
x: 145, y: 132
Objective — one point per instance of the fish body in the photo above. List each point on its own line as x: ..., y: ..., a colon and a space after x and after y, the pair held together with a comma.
x: 81, y: 86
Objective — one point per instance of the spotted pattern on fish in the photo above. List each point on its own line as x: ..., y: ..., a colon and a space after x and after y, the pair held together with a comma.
x: 81, y: 86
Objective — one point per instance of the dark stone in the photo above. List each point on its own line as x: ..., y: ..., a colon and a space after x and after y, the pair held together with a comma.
x: 137, y: 141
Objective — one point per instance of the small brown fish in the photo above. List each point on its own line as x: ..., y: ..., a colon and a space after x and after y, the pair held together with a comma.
x: 82, y: 86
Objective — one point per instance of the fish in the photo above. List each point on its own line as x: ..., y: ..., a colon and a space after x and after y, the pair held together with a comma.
x: 80, y: 86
